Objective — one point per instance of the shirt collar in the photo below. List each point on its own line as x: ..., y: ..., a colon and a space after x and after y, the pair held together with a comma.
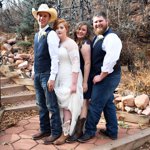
x: 106, y: 30
x: 44, y: 29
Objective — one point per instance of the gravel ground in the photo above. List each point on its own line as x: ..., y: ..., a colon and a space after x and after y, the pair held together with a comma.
x: 11, y: 118
x: 145, y: 146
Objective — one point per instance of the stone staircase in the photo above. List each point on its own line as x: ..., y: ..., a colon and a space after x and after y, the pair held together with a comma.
x: 16, y: 97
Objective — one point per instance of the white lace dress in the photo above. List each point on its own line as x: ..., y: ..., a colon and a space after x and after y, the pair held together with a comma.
x: 69, y: 62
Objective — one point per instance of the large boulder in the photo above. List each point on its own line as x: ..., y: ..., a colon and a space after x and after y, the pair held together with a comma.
x: 142, y: 101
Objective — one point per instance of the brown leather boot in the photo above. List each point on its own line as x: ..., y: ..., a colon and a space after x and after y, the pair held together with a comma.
x: 65, y: 134
x: 50, y: 139
x: 61, y: 140
x: 78, y: 131
x: 40, y: 135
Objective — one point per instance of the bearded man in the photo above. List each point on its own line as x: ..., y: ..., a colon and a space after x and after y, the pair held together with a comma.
x: 106, y: 74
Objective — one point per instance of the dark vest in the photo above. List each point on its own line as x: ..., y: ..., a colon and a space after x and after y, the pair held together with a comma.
x: 42, y: 60
x: 97, y: 56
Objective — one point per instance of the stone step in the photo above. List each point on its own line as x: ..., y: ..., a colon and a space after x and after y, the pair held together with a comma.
x: 10, y: 99
x: 130, y: 142
x: 23, y: 107
x: 10, y: 89
x: 4, y: 80
x: 133, y: 117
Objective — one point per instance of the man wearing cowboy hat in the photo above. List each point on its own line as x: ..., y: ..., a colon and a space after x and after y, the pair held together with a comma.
x: 45, y: 68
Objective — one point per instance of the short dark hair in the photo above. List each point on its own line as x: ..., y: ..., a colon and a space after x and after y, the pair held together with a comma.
x: 103, y: 14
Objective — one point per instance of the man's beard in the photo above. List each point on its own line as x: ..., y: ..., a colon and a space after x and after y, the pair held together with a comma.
x: 99, y: 30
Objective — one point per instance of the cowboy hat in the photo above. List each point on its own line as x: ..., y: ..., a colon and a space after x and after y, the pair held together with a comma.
x: 45, y: 8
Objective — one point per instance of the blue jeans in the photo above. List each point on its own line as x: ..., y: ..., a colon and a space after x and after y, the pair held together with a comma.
x: 102, y: 100
x: 48, y: 105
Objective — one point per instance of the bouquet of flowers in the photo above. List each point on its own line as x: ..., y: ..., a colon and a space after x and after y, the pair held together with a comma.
x: 100, y: 36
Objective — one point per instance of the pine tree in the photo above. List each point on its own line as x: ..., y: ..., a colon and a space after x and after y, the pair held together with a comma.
x: 26, y: 26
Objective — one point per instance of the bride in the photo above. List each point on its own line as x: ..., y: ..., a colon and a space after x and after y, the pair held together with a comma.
x: 68, y: 85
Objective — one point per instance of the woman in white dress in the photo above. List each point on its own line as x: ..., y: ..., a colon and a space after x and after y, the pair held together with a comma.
x: 68, y: 85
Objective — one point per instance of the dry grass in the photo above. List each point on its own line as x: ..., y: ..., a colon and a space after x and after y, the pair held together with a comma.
x: 138, y: 83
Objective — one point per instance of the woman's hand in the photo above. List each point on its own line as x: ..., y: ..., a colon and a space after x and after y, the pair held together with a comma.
x: 73, y: 88
x: 85, y: 87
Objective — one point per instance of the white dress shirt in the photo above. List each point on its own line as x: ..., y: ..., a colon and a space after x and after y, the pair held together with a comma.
x: 53, y: 43
x: 112, y: 45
